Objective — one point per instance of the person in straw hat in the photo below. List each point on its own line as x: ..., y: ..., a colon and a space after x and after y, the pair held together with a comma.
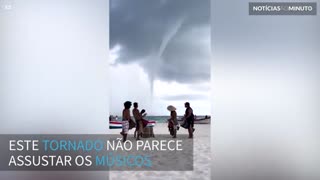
x: 172, y: 122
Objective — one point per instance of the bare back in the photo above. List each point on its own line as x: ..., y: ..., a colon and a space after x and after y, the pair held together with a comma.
x: 174, y: 117
x: 136, y: 114
x: 126, y: 114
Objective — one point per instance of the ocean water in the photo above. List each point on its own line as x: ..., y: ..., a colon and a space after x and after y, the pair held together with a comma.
x: 159, y: 119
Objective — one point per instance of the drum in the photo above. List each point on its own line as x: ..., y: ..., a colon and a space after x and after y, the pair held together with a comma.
x: 148, y: 132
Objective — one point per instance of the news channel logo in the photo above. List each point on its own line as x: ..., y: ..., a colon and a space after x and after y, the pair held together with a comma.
x: 282, y: 8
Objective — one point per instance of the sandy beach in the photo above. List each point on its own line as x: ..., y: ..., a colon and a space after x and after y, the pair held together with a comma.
x: 201, y: 152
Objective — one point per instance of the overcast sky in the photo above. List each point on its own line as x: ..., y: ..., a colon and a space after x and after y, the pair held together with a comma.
x: 160, y: 54
x: 53, y: 66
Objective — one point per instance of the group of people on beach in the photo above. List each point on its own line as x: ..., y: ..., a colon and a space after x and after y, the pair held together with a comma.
x: 140, y: 122
x: 188, y: 120
x: 128, y: 123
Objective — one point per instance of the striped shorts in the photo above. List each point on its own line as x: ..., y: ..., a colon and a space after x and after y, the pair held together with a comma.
x: 125, y: 126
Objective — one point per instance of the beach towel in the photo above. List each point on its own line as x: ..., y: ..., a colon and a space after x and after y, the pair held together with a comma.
x: 185, y: 124
x: 132, y: 124
x: 145, y: 123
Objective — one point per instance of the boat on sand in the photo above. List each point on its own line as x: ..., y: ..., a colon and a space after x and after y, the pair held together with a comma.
x: 200, y: 120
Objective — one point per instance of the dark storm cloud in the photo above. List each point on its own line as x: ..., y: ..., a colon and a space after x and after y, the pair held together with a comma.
x: 184, y: 97
x: 141, y: 26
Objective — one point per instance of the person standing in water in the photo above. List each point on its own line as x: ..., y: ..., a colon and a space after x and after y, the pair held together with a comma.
x: 125, y: 119
x: 173, y: 122
x: 138, y: 117
x: 189, y: 118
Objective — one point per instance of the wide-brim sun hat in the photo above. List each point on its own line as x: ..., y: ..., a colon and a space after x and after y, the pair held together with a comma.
x: 171, y: 108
